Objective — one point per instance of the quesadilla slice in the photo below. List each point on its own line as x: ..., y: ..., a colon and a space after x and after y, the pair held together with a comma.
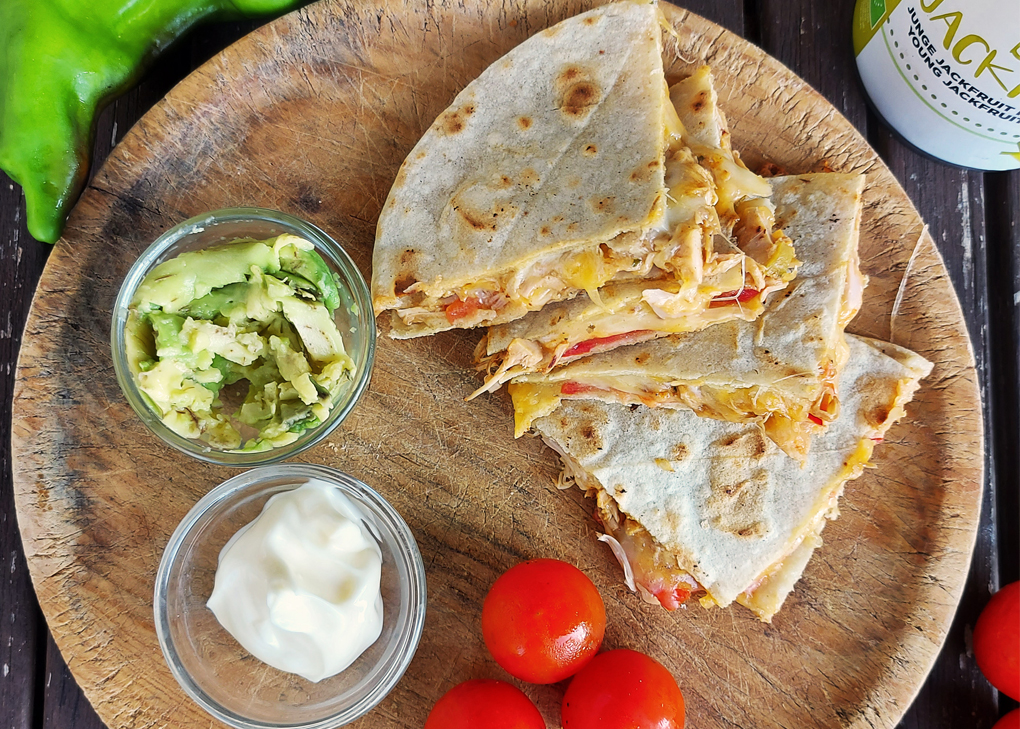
x: 693, y: 505
x: 726, y: 249
x: 561, y: 168
x: 779, y: 370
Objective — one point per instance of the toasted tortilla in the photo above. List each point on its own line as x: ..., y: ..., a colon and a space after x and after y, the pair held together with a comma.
x: 564, y: 167
x: 719, y: 214
x: 779, y: 370
x: 693, y: 504
x: 504, y: 177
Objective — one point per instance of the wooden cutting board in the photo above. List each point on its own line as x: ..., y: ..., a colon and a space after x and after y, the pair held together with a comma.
x: 313, y: 114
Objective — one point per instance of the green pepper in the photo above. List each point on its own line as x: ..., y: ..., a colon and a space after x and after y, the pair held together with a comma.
x: 60, y: 61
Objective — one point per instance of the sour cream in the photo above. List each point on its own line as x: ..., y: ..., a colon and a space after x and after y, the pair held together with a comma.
x: 298, y: 587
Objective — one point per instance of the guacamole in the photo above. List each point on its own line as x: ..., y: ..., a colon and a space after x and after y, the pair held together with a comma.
x: 203, y: 325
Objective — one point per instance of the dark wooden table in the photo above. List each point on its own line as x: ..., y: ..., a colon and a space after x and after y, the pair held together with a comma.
x: 974, y: 218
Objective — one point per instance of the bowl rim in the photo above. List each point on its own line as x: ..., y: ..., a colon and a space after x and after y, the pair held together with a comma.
x: 407, y: 638
x: 364, y: 315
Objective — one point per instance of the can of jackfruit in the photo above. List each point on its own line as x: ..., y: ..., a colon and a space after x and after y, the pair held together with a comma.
x: 945, y: 74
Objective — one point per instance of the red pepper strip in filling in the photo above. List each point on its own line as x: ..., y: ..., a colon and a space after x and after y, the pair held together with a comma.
x: 582, y: 348
x: 732, y: 297
x: 673, y: 598
x: 460, y: 309
x: 576, y: 388
x: 815, y: 419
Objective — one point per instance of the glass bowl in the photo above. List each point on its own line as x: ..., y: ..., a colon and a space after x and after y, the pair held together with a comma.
x: 227, y: 681
x: 354, y: 319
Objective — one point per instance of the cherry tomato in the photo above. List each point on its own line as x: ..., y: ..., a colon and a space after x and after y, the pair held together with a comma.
x: 997, y: 640
x: 484, y: 704
x: 543, y: 620
x: 623, y: 689
x: 1009, y: 721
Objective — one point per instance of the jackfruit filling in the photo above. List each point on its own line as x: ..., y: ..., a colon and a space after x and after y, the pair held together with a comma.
x: 533, y: 400
x: 549, y: 278
x: 734, y: 286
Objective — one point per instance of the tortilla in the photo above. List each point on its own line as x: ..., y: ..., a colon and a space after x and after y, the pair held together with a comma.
x: 503, y: 178
x: 696, y: 504
x: 563, y: 167
x: 779, y: 370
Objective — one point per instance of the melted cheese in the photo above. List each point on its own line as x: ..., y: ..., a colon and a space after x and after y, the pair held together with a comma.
x: 533, y: 400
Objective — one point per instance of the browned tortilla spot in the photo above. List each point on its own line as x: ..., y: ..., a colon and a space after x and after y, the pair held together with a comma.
x: 680, y: 452
x: 748, y: 444
x: 580, y: 98
x: 401, y: 176
x: 644, y: 173
x: 473, y: 221
x: 736, y: 505
x: 403, y: 283
x: 568, y: 76
x: 452, y: 123
x: 878, y: 392
x: 528, y: 177
x: 591, y: 150
x: 642, y: 358
x: 524, y: 122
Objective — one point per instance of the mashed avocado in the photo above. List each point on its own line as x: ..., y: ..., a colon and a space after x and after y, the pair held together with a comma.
x: 203, y: 324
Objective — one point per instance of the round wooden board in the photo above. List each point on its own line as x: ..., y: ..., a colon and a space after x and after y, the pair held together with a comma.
x: 313, y: 114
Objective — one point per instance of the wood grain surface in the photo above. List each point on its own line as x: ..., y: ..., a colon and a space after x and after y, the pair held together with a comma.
x: 313, y: 114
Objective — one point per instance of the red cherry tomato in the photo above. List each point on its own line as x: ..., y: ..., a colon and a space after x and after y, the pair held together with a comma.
x: 623, y: 689
x: 484, y: 704
x: 543, y: 620
x: 1009, y: 721
x: 997, y: 640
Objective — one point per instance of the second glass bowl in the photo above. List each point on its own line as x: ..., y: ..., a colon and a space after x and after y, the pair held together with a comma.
x: 226, y: 680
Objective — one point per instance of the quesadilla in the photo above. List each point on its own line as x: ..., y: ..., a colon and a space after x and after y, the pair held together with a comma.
x: 692, y: 505
x: 561, y: 168
x: 779, y: 370
x: 726, y: 244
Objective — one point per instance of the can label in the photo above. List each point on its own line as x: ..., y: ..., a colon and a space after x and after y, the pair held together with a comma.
x: 946, y: 75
